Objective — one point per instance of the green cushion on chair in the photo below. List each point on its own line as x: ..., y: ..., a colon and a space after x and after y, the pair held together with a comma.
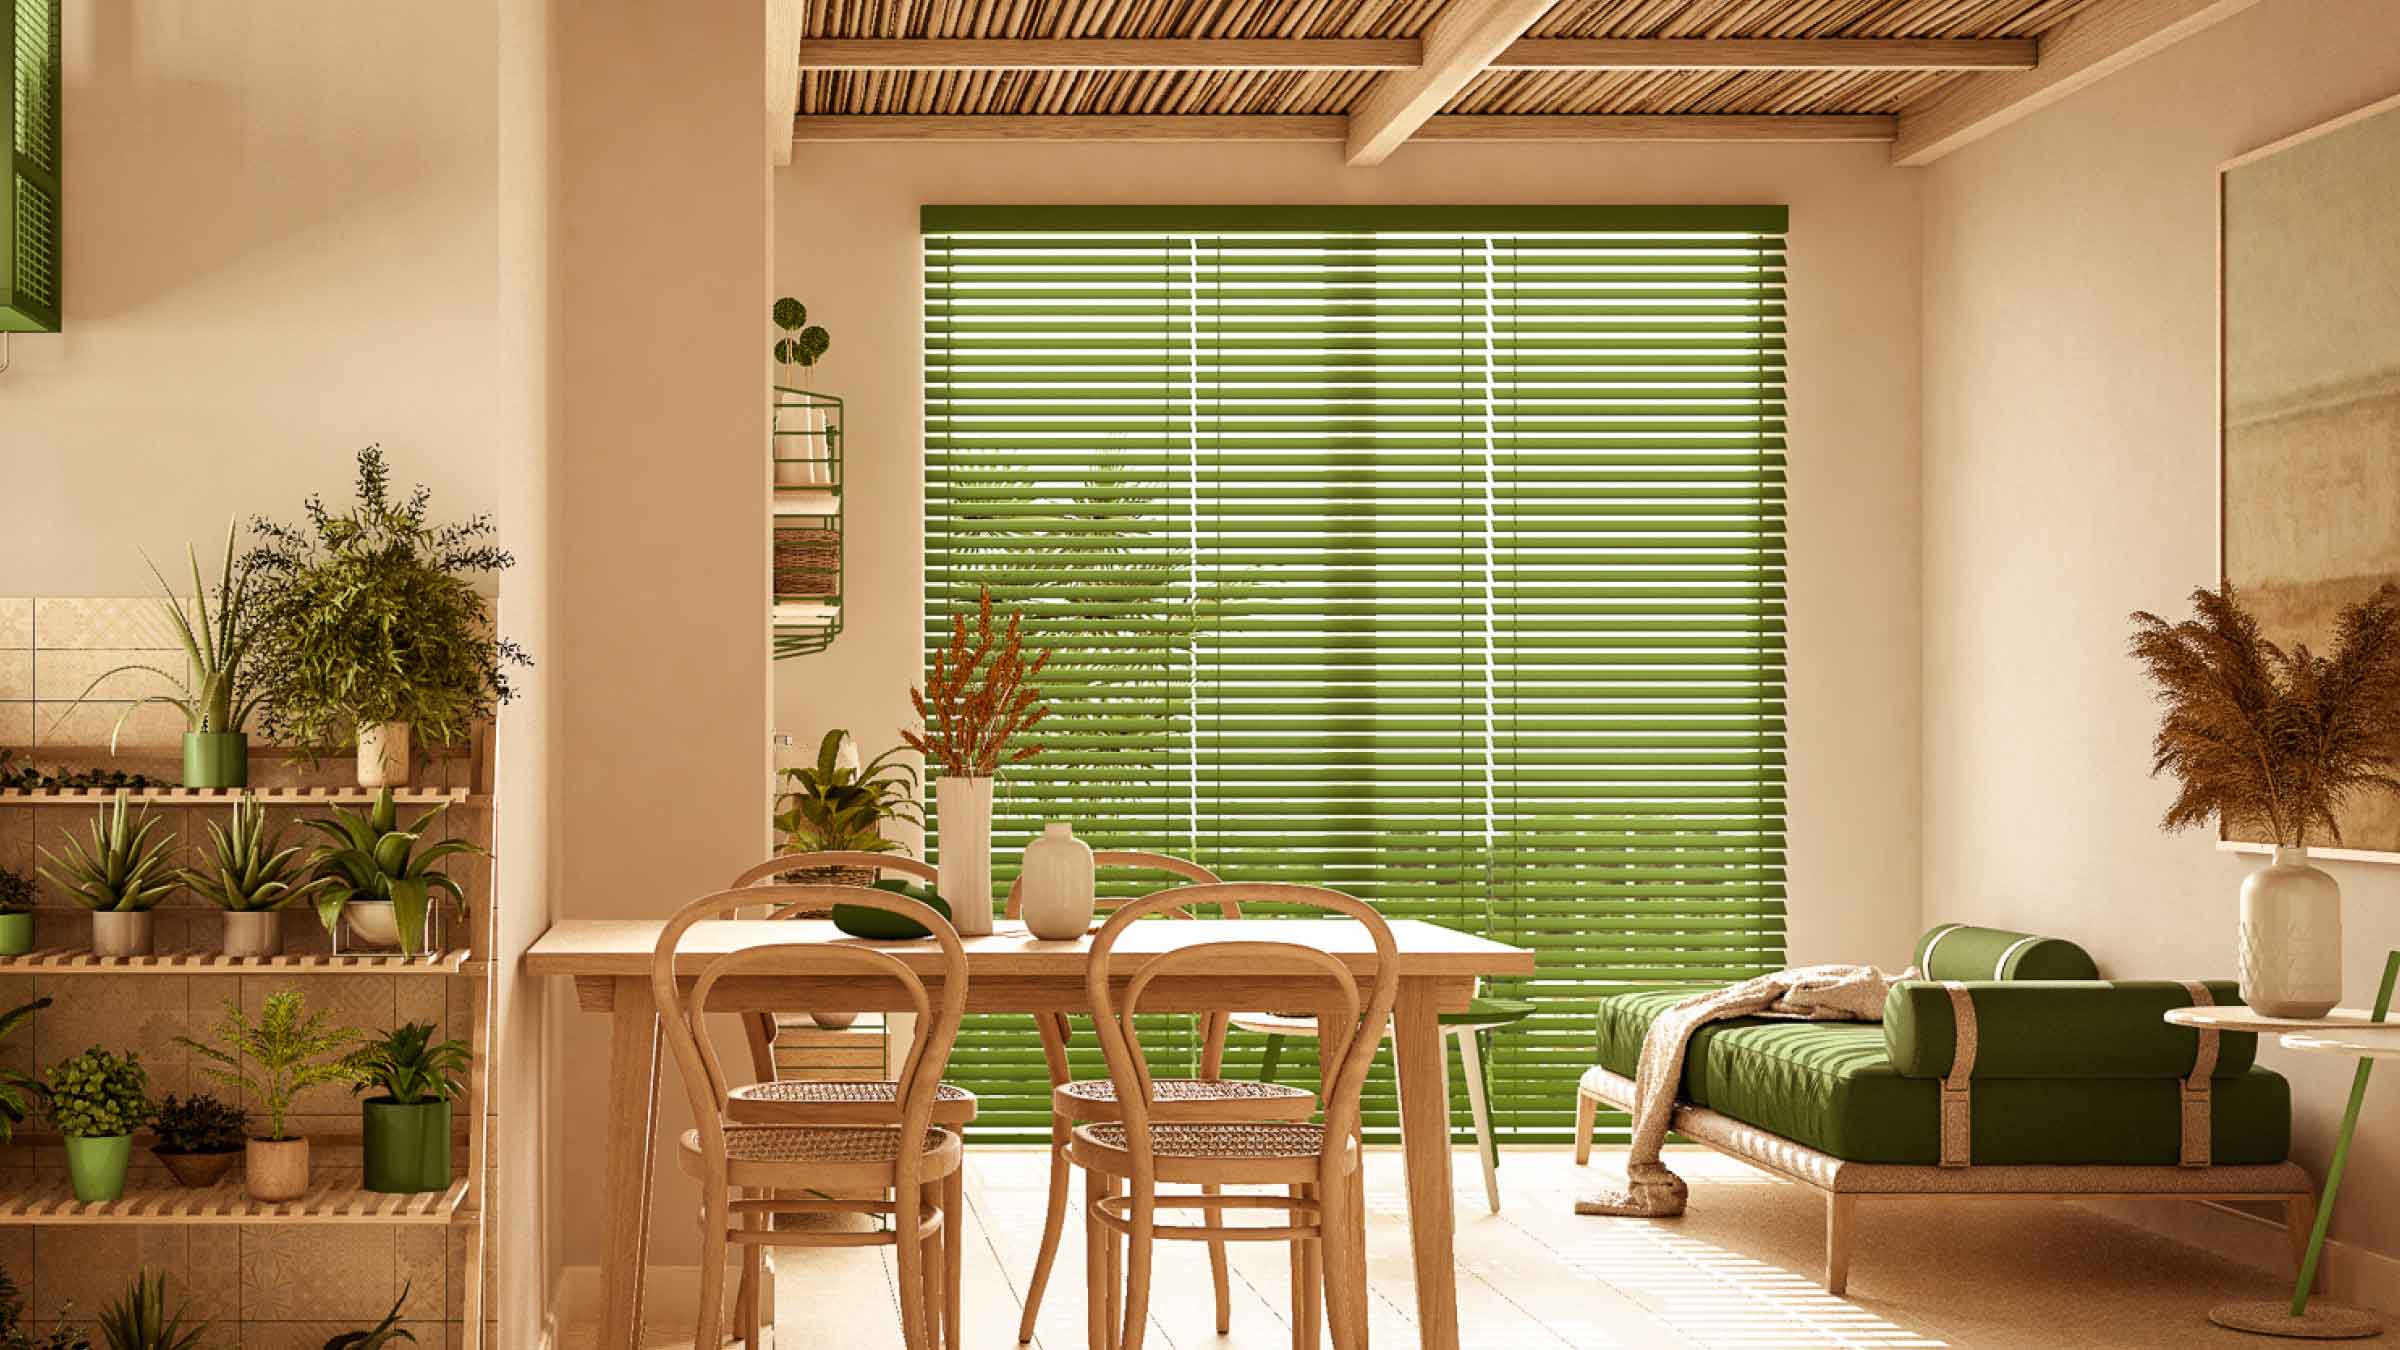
x: 2059, y: 1029
x: 1955, y: 951
x: 1488, y: 1012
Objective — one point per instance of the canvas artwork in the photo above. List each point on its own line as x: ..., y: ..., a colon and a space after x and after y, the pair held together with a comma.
x: 2310, y: 418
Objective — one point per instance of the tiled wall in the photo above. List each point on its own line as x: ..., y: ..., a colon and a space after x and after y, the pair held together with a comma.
x: 53, y: 647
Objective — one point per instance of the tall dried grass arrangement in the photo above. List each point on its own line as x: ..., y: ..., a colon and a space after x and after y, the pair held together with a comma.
x: 979, y: 700
x: 2268, y: 739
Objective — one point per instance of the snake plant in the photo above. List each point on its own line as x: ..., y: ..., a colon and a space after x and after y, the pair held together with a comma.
x: 247, y: 871
x: 371, y: 859
x: 122, y: 870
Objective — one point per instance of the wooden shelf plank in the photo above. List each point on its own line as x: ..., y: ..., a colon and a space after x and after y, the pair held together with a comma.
x: 204, y: 961
x: 336, y: 1197
x: 183, y: 796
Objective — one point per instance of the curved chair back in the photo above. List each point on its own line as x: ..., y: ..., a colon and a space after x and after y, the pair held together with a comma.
x: 683, y: 1017
x: 793, y: 862
x: 1348, y: 1038
x: 1134, y: 857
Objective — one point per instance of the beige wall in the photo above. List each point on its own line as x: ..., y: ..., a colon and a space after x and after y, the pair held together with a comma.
x: 847, y: 245
x: 2070, y: 466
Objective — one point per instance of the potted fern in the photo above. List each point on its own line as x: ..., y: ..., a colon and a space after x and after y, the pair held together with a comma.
x: 141, y: 1320
x: 371, y: 629
x: 120, y: 878
x: 16, y: 912
x: 2276, y: 741
x: 198, y: 1138
x: 379, y: 882
x: 252, y: 878
x: 20, y: 1092
x: 98, y: 1100
x: 407, y: 1122
x: 294, y: 1050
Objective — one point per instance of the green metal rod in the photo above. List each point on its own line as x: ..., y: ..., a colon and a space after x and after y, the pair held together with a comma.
x: 2341, y: 1148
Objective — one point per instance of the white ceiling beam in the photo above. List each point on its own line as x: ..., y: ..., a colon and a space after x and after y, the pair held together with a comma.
x: 1445, y: 127
x: 2094, y: 44
x: 783, y: 74
x: 1459, y: 43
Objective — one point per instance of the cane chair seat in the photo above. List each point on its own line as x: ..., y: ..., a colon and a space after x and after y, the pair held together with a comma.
x: 756, y: 1154
x: 1266, y: 1153
x: 867, y: 1101
x: 1088, y: 1099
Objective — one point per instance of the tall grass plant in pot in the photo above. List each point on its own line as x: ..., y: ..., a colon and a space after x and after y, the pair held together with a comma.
x: 371, y: 630
x: 406, y: 1122
x: 120, y: 876
x: 97, y: 1100
x: 252, y: 876
x: 272, y: 1060
x: 2274, y: 741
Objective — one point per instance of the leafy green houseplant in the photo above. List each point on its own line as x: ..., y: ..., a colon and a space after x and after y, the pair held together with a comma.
x: 292, y: 1050
x: 20, y: 1092
x: 251, y: 876
x: 98, y: 1100
x: 198, y: 1137
x: 407, y: 1122
x: 16, y: 912
x: 120, y: 876
x: 839, y: 803
x: 13, y: 1334
x: 141, y: 1320
x: 371, y: 627
x: 381, y: 882
x: 383, y: 1333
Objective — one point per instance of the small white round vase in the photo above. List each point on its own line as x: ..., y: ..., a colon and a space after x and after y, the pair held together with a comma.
x: 1059, y: 885
x: 2291, y: 947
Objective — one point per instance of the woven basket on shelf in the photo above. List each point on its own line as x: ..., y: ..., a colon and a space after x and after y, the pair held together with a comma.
x: 808, y: 561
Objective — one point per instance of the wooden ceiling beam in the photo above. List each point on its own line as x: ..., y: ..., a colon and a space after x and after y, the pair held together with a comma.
x: 1446, y: 127
x: 2091, y: 45
x: 1401, y: 54
x: 1459, y: 43
x: 1767, y: 54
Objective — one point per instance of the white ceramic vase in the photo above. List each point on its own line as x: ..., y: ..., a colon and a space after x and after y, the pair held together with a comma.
x: 2291, y: 947
x: 965, y: 820
x: 1058, y: 885
x: 383, y: 754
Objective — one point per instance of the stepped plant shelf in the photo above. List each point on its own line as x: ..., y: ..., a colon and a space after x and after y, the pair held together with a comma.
x: 81, y: 961
x: 335, y: 1198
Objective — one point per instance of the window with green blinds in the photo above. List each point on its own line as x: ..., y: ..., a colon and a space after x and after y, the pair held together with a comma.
x: 1432, y: 554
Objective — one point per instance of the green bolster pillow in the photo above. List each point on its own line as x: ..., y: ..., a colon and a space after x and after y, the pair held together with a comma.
x: 2058, y: 1029
x: 1955, y: 951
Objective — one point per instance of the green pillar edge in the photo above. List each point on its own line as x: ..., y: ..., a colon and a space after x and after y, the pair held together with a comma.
x: 2341, y: 1148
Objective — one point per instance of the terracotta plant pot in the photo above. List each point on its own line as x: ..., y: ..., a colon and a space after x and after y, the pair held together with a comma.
x: 199, y: 1171
x: 16, y: 933
x: 383, y: 754
x: 117, y: 932
x: 276, y: 1169
x: 253, y: 932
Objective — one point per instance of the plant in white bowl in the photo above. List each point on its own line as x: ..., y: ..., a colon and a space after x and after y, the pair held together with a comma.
x: 379, y: 881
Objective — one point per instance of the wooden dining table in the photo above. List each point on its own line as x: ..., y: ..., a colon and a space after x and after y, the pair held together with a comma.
x: 1012, y: 971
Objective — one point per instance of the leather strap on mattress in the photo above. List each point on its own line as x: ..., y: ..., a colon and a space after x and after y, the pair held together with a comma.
x: 1958, y: 1106
x: 2198, y: 1100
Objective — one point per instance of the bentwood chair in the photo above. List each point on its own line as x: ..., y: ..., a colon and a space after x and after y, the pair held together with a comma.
x: 750, y: 1173
x: 1317, y: 1165
x: 1079, y: 1101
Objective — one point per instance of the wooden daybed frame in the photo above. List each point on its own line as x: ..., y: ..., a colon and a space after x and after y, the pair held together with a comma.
x: 1844, y: 1183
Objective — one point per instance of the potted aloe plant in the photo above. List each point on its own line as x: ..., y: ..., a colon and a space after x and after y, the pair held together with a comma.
x: 198, y: 1137
x: 120, y: 878
x: 383, y: 1333
x: 294, y: 1050
x: 251, y: 877
x: 16, y: 912
x: 141, y: 1320
x: 371, y: 629
x: 381, y: 883
x: 20, y: 1092
x: 407, y: 1122
x: 98, y: 1100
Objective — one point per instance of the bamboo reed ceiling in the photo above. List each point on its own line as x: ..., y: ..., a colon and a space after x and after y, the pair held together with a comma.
x: 1100, y: 92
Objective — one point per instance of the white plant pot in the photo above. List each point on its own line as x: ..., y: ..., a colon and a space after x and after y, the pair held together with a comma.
x: 374, y: 924
x: 383, y: 754
x: 117, y: 932
x: 1058, y: 885
x: 965, y: 820
x: 2291, y: 945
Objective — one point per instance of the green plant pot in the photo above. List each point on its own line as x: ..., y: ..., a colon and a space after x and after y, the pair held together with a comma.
x: 407, y: 1147
x: 216, y: 759
x: 96, y: 1166
x: 16, y: 934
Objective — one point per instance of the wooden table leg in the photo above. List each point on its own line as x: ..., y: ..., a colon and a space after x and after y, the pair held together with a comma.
x: 632, y: 1124
x: 1425, y: 1137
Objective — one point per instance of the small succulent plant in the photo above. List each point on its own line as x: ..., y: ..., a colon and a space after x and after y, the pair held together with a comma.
x: 123, y: 870
x: 803, y: 344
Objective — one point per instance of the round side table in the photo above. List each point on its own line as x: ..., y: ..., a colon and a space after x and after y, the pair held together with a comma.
x: 2345, y: 1031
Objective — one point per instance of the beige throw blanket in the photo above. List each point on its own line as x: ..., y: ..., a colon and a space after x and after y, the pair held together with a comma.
x: 1808, y: 994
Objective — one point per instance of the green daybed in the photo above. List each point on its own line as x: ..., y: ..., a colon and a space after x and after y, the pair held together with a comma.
x: 2074, y: 1086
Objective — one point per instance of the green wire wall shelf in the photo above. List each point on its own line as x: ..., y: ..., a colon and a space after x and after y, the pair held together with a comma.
x: 805, y: 608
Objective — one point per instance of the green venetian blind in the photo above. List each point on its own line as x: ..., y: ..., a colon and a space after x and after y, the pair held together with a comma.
x: 29, y: 168
x: 1433, y: 554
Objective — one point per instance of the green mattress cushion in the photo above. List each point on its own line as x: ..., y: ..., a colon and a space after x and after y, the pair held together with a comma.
x: 2059, y: 1029
x: 1956, y: 951
x: 1832, y: 1087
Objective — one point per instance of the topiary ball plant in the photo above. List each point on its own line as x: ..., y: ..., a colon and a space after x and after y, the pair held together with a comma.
x: 99, y: 1095
x: 803, y: 344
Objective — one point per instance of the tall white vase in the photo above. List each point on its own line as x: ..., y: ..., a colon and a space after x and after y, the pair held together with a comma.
x: 2291, y: 948
x: 1059, y: 885
x: 964, y: 807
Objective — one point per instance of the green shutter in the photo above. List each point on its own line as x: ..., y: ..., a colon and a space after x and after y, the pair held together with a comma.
x: 29, y: 210
x: 1434, y: 554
